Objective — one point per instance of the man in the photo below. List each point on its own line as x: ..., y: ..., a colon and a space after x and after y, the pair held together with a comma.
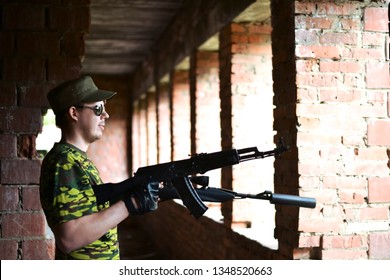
x: 84, y: 228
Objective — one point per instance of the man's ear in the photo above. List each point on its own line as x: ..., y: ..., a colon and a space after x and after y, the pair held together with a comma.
x: 73, y: 113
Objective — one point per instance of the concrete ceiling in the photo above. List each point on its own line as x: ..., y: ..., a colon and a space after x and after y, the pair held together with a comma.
x: 123, y: 32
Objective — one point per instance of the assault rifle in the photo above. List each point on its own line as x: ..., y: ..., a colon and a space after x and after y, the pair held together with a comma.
x: 177, y: 174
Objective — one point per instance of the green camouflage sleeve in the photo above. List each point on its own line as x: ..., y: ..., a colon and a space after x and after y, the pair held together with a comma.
x: 73, y: 195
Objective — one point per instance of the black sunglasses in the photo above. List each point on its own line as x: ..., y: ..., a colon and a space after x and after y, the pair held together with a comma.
x: 97, y: 109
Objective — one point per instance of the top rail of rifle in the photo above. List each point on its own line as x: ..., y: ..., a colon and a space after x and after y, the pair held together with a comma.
x: 254, y: 153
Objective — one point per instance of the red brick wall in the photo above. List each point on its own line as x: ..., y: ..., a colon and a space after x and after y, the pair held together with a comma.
x: 342, y: 116
x: 41, y: 44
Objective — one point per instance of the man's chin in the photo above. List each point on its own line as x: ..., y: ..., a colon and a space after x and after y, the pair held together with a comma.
x: 97, y: 136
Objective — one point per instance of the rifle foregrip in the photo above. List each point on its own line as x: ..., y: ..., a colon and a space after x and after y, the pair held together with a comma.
x: 189, y: 196
x: 294, y: 200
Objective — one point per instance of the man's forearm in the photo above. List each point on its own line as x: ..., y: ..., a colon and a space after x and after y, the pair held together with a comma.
x: 82, y: 231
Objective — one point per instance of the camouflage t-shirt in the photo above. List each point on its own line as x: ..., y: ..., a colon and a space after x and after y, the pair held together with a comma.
x: 66, y: 193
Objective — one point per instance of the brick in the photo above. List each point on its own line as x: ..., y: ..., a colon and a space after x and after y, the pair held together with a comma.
x: 21, y: 120
x: 38, y: 249
x: 379, y: 246
x: 8, y: 249
x: 350, y: 24
x: 23, y: 225
x: 354, y: 197
x: 349, y: 124
x: 371, y: 153
x: 344, y: 38
x: 305, y: 7
x: 366, y: 214
x: 376, y: 110
x: 342, y: 254
x: 331, y: 52
x: 306, y: 37
x: 34, y: 95
x: 332, y: 211
x: 8, y: 95
x: 378, y: 132
x: 18, y: 171
x: 7, y: 43
x: 320, y: 225
x: 304, y: 138
x: 363, y: 53
x: 338, y: 9
x: 75, y: 18
x: 30, y: 198
x: 24, y: 16
x: 260, y: 43
x: 64, y: 68
x: 38, y: 43
x: 343, y: 242
x: 373, y: 39
x: 378, y: 190
x: 320, y: 110
x: 239, y: 40
x: 24, y: 69
x: 368, y: 168
x: 309, y: 241
x: 374, y: 213
x: 377, y: 96
x: 320, y: 79
x: 9, y: 198
x: 7, y: 146
x: 206, y: 61
x: 340, y: 95
x: 73, y: 44
x: 341, y: 66
x: 307, y: 65
x: 351, y: 183
x: 237, y: 28
x: 259, y: 29
x: 313, y: 22
x: 377, y: 75
x: 376, y: 19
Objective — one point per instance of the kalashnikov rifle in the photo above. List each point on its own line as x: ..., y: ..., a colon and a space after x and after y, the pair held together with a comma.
x: 178, y: 174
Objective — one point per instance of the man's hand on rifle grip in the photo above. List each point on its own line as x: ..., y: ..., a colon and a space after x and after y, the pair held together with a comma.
x: 143, y: 200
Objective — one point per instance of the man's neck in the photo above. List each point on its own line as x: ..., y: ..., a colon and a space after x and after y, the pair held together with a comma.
x: 75, y: 141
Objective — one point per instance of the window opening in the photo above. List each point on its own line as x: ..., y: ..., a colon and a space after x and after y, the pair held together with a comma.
x: 50, y: 134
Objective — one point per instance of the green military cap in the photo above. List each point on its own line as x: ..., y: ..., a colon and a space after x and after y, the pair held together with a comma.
x: 74, y: 92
